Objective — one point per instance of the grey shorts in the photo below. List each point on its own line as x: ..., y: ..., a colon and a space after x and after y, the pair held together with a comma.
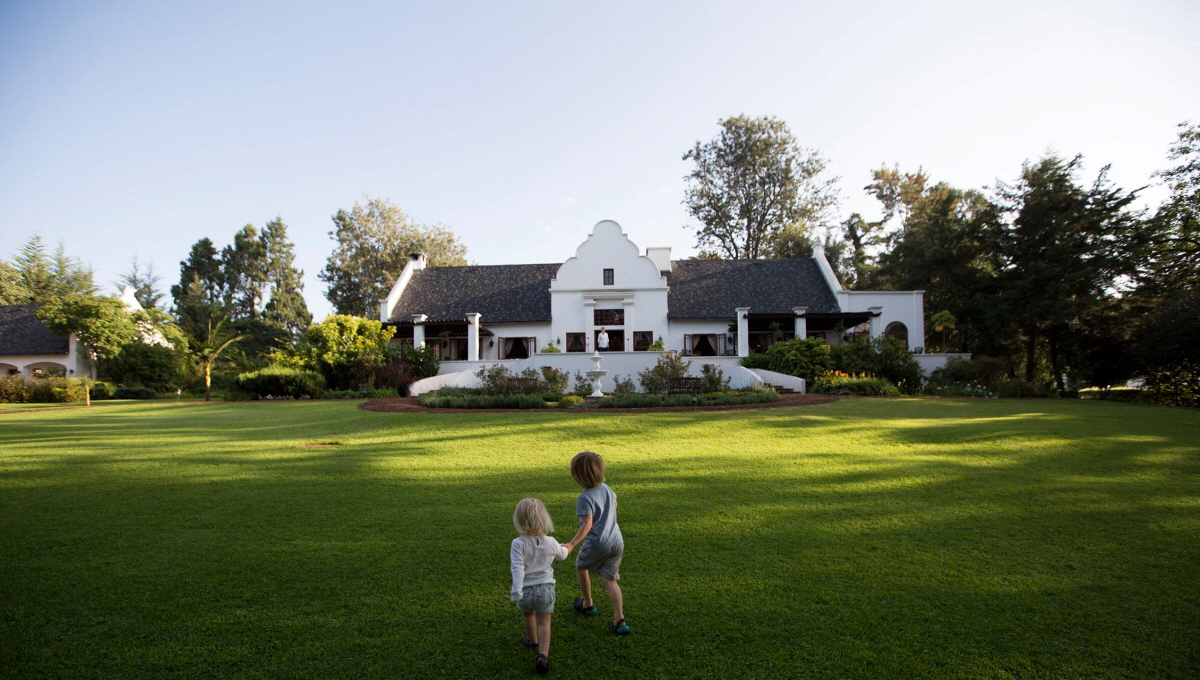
x: 539, y: 598
x: 605, y: 561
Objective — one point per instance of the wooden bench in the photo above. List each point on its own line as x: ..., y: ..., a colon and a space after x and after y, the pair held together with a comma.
x: 684, y: 385
x: 521, y: 386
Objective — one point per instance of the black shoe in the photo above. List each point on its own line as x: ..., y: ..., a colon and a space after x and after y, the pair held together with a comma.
x: 542, y: 665
x: 528, y: 645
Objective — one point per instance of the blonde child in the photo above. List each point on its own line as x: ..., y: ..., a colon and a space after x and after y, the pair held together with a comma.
x: 532, y: 556
x: 603, y: 545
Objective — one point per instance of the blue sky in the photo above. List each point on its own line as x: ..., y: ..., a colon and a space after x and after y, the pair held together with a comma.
x: 137, y: 128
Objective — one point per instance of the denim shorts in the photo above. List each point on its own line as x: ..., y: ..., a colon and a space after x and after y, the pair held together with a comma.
x: 539, y: 598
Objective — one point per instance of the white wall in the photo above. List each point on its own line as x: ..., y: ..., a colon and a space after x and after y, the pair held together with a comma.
x: 539, y: 331
x: 638, y: 288
x: 74, y: 363
x: 622, y: 364
x: 931, y: 362
x: 905, y: 306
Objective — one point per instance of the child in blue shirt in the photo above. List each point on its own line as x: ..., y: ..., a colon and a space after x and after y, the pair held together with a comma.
x: 603, y: 546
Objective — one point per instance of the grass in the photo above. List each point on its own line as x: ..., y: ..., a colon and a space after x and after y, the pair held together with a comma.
x: 867, y: 538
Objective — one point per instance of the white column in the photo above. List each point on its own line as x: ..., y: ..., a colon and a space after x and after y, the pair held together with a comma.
x: 801, y: 322
x: 627, y: 305
x: 419, y: 330
x: 589, y: 324
x: 743, y: 326
x: 473, y: 336
x: 876, y: 324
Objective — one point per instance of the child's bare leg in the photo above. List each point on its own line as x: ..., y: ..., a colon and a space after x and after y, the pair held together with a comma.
x: 585, y: 584
x: 618, y: 600
x: 543, y: 630
x: 531, y: 630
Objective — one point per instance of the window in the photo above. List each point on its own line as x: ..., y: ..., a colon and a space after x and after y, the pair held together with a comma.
x: 608, y: 317
x: 642, y: 340
x: 707, y: 345
x: 516, y: 348
x: 608, y: 277
x: 576, y: 342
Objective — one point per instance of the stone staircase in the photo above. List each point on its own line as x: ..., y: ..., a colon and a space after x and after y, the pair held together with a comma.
x: 781, y: 390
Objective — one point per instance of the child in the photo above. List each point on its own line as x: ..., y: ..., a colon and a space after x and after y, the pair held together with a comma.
x: 532, y: 555
x: 603, y: 545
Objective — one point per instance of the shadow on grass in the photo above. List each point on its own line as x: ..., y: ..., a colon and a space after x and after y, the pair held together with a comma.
x: 859, y: 543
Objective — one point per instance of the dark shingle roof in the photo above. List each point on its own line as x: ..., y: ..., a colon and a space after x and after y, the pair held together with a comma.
x: 506, y: 293
x: 21, y: 332
x: 712, y: 289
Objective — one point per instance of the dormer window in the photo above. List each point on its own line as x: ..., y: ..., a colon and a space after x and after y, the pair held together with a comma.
x: 608, y: 277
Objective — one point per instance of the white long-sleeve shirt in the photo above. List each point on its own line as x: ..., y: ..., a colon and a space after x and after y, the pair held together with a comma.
x: 532, y: 559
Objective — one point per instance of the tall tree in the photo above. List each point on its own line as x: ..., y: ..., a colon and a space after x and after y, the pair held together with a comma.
x: 750, y: 183
x: 244, y: 265
x: 946, y: 246
x: 286, y: 308
x: 12, y: 289
x: 201, y: 289
x: 1174, y: 262
x: 373, y: 244
x: 144, y: 283
x: 1065, y: 249
x: 45, y: 278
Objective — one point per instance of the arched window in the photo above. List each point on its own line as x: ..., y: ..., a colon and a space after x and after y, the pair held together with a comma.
x: 897, y: 330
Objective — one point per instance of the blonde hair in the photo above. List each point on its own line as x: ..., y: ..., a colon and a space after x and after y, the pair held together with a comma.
x: 532, y: 519
x: 588, y: 469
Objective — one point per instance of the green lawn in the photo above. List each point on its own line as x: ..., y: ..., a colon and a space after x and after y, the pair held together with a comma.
x: 868, y: 538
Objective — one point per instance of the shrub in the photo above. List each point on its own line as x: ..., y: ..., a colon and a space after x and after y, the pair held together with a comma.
x: 420, y: 363
x: 13, y: 390
x: 802, y: 357
x: 753, y: 396
x: 840, y: 383
x: 550, y: 349
x: 570, y: 400
x: 657, y: 378
x: 554, y: 380
x: 281, y: 381
x: 103, y: 390
x: 983, y: 371
x: 432, y: 400
x: 583, y: 384
x: 152, y: 366
x: 713, y: 379
x: 972, y: 390
x: 1012, y: 388
x: 1127, y: 394
x: 884, y: 357
x: 494, y: 378
x: 623, y: 385
x: 135, y: 393
x: 1179, y: 386
x: 656, y: 346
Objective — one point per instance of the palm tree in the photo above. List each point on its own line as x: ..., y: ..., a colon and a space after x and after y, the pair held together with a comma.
x: 209, y: 348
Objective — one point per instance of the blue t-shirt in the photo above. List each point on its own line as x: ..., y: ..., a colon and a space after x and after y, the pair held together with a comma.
x: 601, y: 503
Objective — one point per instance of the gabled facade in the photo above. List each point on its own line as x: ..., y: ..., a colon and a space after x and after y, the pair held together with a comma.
x: 28, y: 347
x: 701, y: 308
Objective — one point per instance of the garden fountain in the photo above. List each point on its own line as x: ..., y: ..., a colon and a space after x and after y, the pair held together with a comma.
x: 596, y: 374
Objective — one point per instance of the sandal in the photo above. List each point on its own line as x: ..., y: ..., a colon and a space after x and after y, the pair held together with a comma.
x: 542, y: 665
x: 620, y: 627
x: 586, y: 611
x: 528, y: 645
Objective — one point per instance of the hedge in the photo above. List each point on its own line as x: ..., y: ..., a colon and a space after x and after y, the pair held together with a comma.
x: 281, y: 381
x: 16, y: 389
x: 434, y: 400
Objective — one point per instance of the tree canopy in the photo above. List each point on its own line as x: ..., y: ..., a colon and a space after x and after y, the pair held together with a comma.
x: 374, y: 241
x: 753, y: 182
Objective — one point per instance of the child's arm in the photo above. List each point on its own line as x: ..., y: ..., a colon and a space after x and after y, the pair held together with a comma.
x: 518, y: 570
x: 585, y: 525
x: 560, y: 550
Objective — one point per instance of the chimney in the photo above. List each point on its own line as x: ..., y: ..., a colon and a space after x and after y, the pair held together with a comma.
x: 418, y: 260
x: 661, y: 257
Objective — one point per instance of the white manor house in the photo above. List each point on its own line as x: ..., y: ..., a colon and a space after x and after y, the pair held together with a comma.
x: 711, y: 311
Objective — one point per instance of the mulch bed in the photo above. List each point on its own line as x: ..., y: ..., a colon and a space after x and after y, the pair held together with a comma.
x: 410, y: 405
